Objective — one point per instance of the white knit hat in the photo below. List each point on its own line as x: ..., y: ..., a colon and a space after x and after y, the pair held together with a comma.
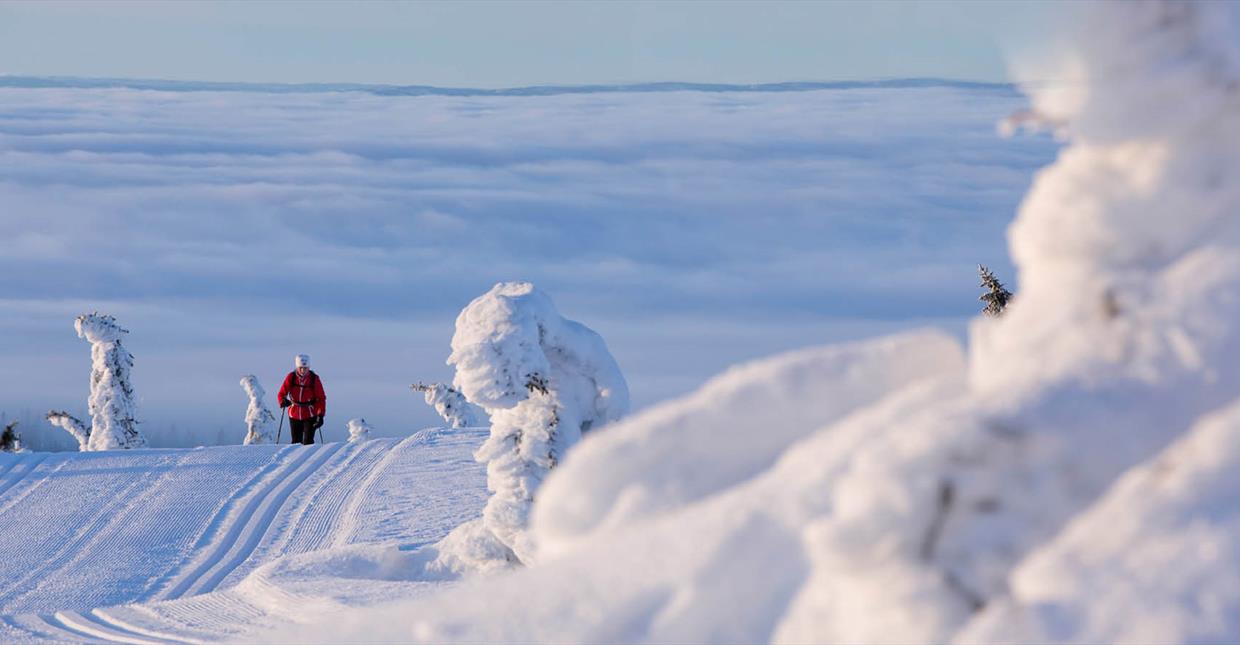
x: 301, y: 359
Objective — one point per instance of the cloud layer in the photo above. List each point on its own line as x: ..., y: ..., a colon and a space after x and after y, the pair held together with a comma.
x: 231, y: 229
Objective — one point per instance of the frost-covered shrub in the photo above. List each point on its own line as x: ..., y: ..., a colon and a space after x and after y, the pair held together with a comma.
x: 358, y: 430
x: 544, y: 381
x: 451, y: 405
x: 111, y: 403
x: 259, y: 420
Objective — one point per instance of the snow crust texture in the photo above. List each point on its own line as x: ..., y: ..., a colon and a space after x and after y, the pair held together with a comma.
x: 544, y: 381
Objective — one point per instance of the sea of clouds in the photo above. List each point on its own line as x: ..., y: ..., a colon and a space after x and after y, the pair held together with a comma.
x: 230, y: 227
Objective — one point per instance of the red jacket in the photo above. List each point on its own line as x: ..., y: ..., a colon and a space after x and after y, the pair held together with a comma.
x: 306, y: 394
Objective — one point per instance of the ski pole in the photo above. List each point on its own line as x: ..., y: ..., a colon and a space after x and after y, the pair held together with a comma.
x: 282, y: 411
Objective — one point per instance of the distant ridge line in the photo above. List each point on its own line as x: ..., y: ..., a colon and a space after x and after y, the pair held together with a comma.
x: 70, y: 82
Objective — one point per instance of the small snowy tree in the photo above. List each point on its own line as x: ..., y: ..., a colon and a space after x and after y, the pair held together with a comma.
x: 544, y: 381
x: 112, y: 409
x: 451, y: 405
x: 10, y: 441
x: 358, y: 430
x: 996, y: 296
x: 72, y: 425
x: 258, y: 417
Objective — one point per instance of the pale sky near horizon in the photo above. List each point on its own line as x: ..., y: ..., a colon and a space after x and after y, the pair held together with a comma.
x: 510, y: 44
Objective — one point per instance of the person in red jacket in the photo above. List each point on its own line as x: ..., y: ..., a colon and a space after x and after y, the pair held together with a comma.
x: 302, y: 393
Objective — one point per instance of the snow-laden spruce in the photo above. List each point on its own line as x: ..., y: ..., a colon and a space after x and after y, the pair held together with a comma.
x: 359, y: 430
x: 260, y: 422
x: 112, y: 407
x: 451, y: 405
x: 544, y: 381
x: 10, y: 440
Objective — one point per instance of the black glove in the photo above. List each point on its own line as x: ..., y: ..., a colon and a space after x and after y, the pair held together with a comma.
x: 318, y: 422
x: 284, y: 403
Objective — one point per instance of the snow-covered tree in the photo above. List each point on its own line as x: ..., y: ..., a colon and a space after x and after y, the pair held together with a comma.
x: 10, y: 441
x: 111, y: 403
x: 996, y: 296
x: 359, y: 430
x: 72, y: 425
x: 544, y: 381
x: 451, y: 405
x: 112, y: 406
x: 259, y: 419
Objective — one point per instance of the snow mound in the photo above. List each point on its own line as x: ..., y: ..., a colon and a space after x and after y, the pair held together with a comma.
x: 730, y: 430
x: 1153, y: 561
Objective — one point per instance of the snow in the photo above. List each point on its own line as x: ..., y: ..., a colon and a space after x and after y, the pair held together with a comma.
x: 732, y: 429
x: 258, y: 417
x: 902, y: 520
x: 183, y: 530
x: 358, y: 430
x: 113, y: 411
x: 1153, y: 561
x: 451, y: 405
x: 1070, y: 476
x: 544, y: 381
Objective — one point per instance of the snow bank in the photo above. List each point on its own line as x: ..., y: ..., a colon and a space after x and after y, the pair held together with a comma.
x: 259, y: 420
x: 730, y: 430
x: 1155, y: 561
x: 544, y: 381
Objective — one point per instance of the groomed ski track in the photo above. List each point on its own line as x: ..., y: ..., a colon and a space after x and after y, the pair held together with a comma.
x: 157, y: 546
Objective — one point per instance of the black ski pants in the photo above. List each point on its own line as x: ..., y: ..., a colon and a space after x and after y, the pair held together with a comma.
x: 302, y: 429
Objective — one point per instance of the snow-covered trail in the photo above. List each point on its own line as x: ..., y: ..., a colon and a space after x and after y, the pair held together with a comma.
x: 169, y: 527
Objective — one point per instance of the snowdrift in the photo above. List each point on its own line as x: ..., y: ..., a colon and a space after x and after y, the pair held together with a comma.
x: 727, y: 432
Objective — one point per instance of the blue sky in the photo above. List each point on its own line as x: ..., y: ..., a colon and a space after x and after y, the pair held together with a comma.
x: 507, y: 44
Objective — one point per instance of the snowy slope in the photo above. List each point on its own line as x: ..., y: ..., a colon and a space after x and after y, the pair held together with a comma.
x: 112, y: 528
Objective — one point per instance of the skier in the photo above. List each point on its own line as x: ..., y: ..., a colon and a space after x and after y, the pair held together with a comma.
x: 303, y: 390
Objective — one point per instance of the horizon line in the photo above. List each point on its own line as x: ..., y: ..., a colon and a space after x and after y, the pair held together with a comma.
x: 19, y: 81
